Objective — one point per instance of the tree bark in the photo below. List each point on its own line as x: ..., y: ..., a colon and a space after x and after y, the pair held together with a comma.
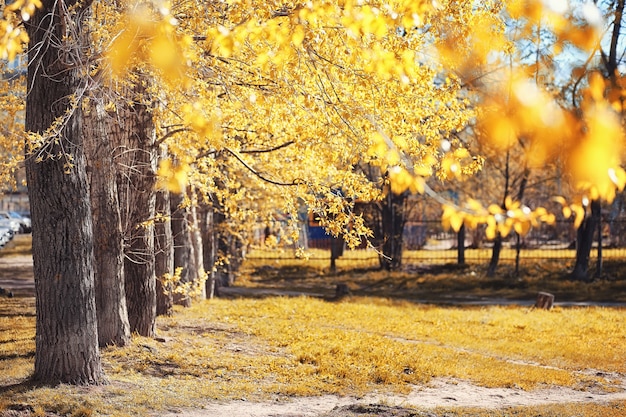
x: 199, y: 272
x: 460, y: 242
x: 392, y: 226
x: 182, y: 245
x: 113, y: 326
x: 66, y: 342
x: 495, y: 255
x: 209, y: 247
x: 336, y: 251
x: 136, y: 181
x: 164, y: 253
x: 584, y: 242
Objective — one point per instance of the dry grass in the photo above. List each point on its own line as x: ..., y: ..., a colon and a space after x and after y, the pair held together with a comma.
x: 276, y: 348
x: 432, y: 281
x: 281, y: 347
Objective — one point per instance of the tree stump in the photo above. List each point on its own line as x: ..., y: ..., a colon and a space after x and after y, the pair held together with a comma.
x: 544, y: 301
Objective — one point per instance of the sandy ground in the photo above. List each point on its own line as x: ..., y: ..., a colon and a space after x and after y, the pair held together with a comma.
x: 441, y: 393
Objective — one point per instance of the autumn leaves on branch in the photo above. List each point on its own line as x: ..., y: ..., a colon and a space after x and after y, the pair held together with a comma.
x: 398, y: 85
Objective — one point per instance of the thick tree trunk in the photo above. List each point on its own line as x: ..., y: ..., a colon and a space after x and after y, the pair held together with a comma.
x: 136, y: 181
x: 113, y: 326
x: 584, y: 242
x: 66, y: 342
x: 164, y: 253
x: 182, y: 245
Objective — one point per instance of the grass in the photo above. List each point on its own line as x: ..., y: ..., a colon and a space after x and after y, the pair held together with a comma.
x: 276, y: 348
x: 280, y: 347
x: 432, y: 281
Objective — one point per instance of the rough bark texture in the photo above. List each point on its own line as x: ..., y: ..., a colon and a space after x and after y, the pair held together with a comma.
x: 164, y: 253
x: 66, y: 342
x: 137, y: 166
x: 113, y: 326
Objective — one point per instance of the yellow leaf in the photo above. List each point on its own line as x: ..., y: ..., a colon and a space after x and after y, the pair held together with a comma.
x: 567, y: 212
x: 580, y: 214
x: 495, y: 209
x: 596, y: 86
x: 456, y: 221
x: 522, y: 227
x: 400, y: 179
x: 559, y: 200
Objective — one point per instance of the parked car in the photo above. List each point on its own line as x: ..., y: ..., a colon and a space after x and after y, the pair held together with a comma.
x: 6, y: 220
x: 23, y: 219
x: 6, y: 234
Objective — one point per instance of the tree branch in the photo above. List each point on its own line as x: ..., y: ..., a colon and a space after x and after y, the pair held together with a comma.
x: 275, y: 148
x: 258, y: 174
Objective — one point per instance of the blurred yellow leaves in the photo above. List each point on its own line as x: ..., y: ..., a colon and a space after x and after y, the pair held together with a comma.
x: 401, y: 180
x: 147, y: 34
x: 319, y: 69
x: 498, y: 220
x: 12, y: 37
x: 172, y: 177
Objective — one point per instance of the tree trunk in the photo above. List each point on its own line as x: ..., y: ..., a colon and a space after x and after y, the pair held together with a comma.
x: 199, y: 273
x: 209, y: 247
x: 584, y: 242
x: 460, y: 242
x: 136, y: 181
x: 113, y: 326
x: 518, y: 252
x: 495, y: 255
x: 164, y: 253
x: 66, y: 342
x: 392, y: 225
x: 336, y: 251
x: 182, y: 245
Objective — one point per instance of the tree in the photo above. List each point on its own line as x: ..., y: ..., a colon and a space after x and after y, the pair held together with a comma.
x: 66, y: 326
x: 136, y: 139
x: 609, y: 62
x: 163, y: 254
x: 113, y: 326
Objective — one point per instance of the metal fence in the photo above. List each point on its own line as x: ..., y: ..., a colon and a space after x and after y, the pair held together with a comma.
x: 426, y: 242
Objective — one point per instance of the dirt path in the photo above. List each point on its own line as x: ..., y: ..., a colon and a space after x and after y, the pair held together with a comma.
x: 441, y: 393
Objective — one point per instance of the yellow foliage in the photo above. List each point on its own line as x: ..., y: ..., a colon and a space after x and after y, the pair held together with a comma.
x: 173, y: 177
